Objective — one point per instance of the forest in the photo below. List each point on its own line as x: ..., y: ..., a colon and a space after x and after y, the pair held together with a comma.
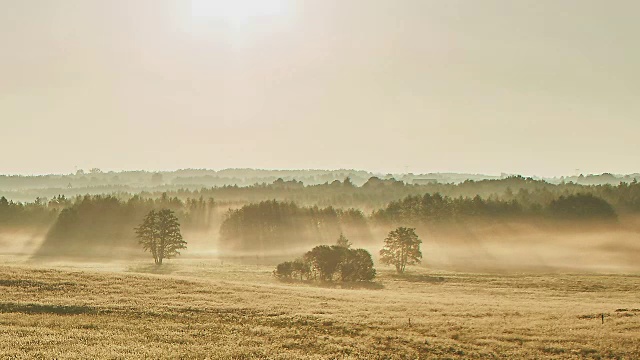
x: 286, y: 215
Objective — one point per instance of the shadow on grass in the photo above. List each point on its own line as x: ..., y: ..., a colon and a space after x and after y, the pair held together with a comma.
x: 164, y: 269
x: 40, y: 285
x: 370, y: 285
x: 32, y: 308
x: 419, y: 278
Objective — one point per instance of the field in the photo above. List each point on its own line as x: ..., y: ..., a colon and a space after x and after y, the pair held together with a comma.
x: 195, y: 308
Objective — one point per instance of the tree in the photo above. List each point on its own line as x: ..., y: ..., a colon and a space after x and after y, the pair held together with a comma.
x: 301, y: 268
x: 343, y: 242
x: 401, y: 248
x: 325, y: 260
x: 290, y: 269
x: 160, y: 234
x: 147, y: 234
x: 284, y: 270
x: 356, y: 265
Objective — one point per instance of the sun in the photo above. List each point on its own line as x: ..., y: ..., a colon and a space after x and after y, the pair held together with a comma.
x: 237, y: 13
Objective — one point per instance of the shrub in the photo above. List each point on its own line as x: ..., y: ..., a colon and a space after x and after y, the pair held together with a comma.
x: 324, y: 262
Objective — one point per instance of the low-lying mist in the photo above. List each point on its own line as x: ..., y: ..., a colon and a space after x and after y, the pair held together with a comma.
x: 580, y: 232
x: 464, y: 246
x: 539, y: 247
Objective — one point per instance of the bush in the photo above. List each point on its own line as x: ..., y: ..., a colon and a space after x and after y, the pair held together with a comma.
x: 357, y: 265
x: 325, y: 262
x: 284, y: 270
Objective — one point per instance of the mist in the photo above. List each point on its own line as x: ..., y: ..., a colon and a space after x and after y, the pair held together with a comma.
x: 300, y: 179
x: 511, y: 224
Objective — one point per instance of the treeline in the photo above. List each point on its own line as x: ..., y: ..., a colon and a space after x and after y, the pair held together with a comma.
x: 511, y: 195
x: 434, y: 208
x: 206, y: 178
x: 376, y: 192
x: 102, y: 224
x: 283, y: 226
x: 286, y: 213
x: 17, y: 215
x: 95, y: 181
x: 276, y: 226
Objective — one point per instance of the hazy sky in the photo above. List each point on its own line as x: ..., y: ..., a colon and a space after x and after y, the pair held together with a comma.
x: 539, y: 87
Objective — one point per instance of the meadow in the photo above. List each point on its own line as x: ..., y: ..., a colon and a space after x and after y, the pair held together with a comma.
x: 210, y: 309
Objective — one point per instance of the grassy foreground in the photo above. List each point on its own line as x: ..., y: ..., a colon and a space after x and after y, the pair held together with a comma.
x: 204, y: 310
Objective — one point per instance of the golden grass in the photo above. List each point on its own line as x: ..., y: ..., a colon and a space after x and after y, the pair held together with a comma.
x: 202, y: 309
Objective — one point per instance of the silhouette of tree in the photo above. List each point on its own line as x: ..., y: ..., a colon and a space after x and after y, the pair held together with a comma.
x: 356, y: 265
x: 147, y: 234
x: 343, y: 241
x: 284, y: 270
x: 301, y: 268
x: 160, y: 234
x: 324, y: 262
x: 401, y: 248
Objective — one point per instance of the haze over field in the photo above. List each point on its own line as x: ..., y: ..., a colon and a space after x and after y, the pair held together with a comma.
x: 530, y: 87
x: 319, y: 179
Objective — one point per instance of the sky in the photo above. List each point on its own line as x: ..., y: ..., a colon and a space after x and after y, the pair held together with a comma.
x: 544, y: 87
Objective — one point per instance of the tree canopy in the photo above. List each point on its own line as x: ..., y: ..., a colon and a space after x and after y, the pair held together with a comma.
x: 276, y: 225
x: 581, y: 206
x: 401, y: 248
x: 160, y: 234
x: 329, y: 263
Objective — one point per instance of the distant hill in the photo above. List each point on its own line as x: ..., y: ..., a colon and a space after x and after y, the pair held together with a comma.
x: 94, y: 181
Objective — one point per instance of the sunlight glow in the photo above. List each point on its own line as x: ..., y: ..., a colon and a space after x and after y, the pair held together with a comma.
x: 237, y: 13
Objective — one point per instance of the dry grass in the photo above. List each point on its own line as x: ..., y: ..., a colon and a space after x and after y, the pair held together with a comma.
x: 201, y: 309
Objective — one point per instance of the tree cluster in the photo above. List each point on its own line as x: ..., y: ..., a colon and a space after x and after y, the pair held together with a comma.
x: 435, y: 207
x: 16, y: 214
x: 275, y: 225
x: 330, y: 263
x: 581, y: 206
x: 100, y: 226
x: 92, y: 223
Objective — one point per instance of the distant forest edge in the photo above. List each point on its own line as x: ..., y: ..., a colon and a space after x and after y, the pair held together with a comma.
x: 95, y: 181
x: 287, y: 214
x: 102, y: 225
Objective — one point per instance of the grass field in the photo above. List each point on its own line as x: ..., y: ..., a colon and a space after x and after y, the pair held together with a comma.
x: 203, y: 309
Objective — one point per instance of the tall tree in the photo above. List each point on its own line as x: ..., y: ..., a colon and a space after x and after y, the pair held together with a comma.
x: 160, y: 234
x: 147, y: 234
x: 401, y: 248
